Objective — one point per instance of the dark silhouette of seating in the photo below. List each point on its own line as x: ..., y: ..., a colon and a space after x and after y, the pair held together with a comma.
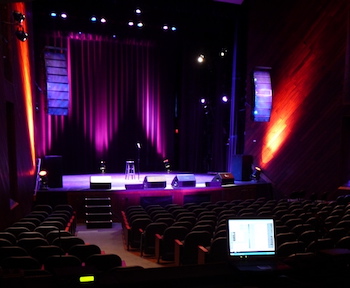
x: 186, y: 251
x: 8, y: 236
x: 67, y: 242
x: 20, y: 262
x: 30, y: 243
x: 14, y: 250
x: 41, y: 253
x: 31, y: 234
x: 16, y: 230
x: 52, y: 235
x: 147, y: 242
x: 56, y: 263
x: 164, y: 244
x: 216, y: 252
x: 134, y: 232
x: 84, y: 251
x: 103, y: 262
x: 291, y: 247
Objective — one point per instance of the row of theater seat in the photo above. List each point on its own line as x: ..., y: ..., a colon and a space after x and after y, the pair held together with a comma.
x: 43, y: 242
x: 176, y: 232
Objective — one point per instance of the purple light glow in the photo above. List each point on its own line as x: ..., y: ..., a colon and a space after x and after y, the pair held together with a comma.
x: 102, y: 92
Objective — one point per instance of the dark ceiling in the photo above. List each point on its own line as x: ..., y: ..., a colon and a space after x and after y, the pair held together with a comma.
x: 190, y: 17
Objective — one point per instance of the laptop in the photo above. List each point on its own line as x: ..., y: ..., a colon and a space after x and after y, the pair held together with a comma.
x: 252, y: 244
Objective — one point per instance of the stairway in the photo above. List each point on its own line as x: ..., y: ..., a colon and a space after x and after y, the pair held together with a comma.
x: 98, y: 212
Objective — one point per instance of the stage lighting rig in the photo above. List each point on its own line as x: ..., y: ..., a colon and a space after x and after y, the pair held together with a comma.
x: 20, y: 33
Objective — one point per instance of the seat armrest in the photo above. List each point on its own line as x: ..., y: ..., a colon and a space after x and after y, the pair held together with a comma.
x: 202, y: 254
x: 177, y: 252
x: 157, y: 246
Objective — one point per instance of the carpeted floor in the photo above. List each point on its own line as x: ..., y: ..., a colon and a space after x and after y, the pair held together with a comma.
x: 110, y: 240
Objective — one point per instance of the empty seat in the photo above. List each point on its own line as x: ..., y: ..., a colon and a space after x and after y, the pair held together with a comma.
x: 67, y: 242
x: 52, y: 235
x: 147, y: 243
x: 20, y: 262
x: 9, y: 251
x: 41, y: 253
x: 31, y: 234
x: 16, y: 230
x: 8, y: 236
x: 56, y: 263
x: 30, y: 243
x: 291, y: 247
x: 216, y: 252
x: 103, y: 262
x: 84, y: 251
x: 165, y: 243
x: 186, y: 251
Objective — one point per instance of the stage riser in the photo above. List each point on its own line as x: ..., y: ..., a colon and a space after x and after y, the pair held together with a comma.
x: 121, y: 199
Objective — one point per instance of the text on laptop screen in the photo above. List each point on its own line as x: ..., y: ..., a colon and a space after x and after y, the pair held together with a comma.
x: 251, y: 237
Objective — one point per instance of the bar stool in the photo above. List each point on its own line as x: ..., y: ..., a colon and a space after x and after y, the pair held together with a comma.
x: 130, y: 169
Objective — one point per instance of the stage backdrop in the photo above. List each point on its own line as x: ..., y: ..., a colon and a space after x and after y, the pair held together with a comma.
x: 127, y: 91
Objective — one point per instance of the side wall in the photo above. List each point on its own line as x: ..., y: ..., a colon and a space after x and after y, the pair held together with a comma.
x: 305, y: 44
x: 16, y: 166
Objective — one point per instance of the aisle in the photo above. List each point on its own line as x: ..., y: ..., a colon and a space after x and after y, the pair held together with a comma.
x: 110, y: 240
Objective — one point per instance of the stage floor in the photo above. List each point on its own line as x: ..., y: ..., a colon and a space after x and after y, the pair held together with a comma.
x: 118, y: 180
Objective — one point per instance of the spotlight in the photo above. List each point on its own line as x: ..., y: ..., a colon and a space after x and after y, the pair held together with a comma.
x: 167, y: 165
x: 200, y: 58
x: 256, y: 174
x: 103, y: 20
x: 224, y: 99
x: 140, y: 24
x: 138, y: 11
x: 18, y: 16
x: 43, y: 180
x: 93, y: 19
x: 21, y: 35
x: 131, y: 23
x: 103, y: 166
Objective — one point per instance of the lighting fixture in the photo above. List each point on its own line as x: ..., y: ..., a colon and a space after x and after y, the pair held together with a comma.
x: 21, y: 34
x: 18, y: 16
x: 256, y: 174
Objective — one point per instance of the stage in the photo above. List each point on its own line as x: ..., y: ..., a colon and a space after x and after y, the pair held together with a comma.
x: 124, y: 192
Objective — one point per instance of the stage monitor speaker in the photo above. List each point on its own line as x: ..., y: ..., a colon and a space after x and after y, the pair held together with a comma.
x: 242, y: 167
x: 100, y: 182
x: 225, y: 178
x: 184, y: 180
x: 154, y: 182
x: 52, y: 164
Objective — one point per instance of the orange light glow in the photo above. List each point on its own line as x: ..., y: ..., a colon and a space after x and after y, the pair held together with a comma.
x: 24, y: 68
x: 274, y: 138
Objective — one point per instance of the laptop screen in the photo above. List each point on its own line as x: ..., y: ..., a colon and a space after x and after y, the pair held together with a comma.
x: 251, y: 237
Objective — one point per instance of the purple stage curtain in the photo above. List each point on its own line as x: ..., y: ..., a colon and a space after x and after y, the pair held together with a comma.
x: 115, y: 102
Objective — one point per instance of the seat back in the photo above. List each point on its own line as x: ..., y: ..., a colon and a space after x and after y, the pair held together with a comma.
x: 103, y: 262
x: 84, y: 251
x: 193, y: 239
